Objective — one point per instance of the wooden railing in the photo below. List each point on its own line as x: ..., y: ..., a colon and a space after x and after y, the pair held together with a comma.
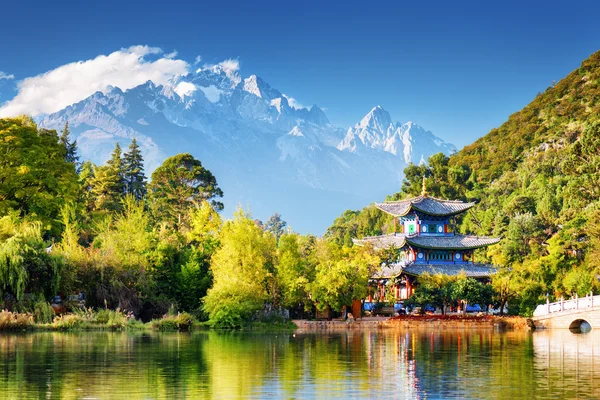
x: 567, y: 305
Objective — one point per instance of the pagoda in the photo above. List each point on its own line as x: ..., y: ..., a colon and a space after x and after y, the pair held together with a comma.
x: 426, y: 243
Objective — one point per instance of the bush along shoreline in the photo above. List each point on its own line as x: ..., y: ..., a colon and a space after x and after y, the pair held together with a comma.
x: 88, y: 319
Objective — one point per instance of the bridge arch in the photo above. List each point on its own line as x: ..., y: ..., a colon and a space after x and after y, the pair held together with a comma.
x: 580, y: 325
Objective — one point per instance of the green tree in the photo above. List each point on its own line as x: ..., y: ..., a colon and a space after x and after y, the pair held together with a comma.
x: 295, y: 271
x: 243, y: 271
x: 70, y: 146
x: 108, y: 186
x: 276, y: 225
x: 86, y: 183
x: 177, y: 185
x: 35, y: 179
x: 341, y: 274
x: 26, y: 264
x: 133, y: 171
x: 469, y: 291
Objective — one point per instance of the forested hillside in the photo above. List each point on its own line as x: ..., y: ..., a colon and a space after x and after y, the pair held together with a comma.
x: 536, y: 180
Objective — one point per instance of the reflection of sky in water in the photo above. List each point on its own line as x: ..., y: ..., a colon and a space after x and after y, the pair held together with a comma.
x: 426, y: 363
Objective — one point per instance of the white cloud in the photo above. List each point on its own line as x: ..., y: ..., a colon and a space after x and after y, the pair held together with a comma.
x: 171, y: 55
x: 230, y: 65
x: 6, y: 76
x: 293, y: 102
x: 197, y: 60
x: 70, y: 83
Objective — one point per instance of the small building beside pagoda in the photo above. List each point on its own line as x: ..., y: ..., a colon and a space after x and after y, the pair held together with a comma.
x: 424, y: 241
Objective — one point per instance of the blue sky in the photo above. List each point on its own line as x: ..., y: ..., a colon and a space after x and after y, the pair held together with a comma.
x: 456, y: 68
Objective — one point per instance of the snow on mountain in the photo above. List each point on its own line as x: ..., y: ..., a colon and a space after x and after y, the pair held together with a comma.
x: 376, y: 131
x: 267, y: 155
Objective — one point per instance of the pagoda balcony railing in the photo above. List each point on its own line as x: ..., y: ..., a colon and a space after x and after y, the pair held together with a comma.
x: 462, y: 262
x: 415, y: 234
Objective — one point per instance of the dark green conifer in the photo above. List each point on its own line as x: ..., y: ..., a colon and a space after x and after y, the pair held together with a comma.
x: 108, y: 186
x: 133, y: 171
x: 70, y: 146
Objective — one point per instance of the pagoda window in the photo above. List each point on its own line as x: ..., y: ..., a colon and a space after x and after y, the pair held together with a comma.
x: 439, y: 256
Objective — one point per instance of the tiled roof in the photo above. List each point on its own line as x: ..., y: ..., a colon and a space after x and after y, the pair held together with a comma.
x: 388, y: 271
x: 456, y: 242
x: 427, y: 205
x: 396, y: 240
x: 470, y: 270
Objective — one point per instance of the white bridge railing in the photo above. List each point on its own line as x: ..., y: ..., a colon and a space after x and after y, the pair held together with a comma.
x: 567, y: 305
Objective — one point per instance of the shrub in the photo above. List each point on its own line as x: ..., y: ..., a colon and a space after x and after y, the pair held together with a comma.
x: 15, y: 321
x: 43, y: 313
x: 68, y: 322
x: 185, y: 321
x: 134, y: 324
x: 166, y: 323
x: 116, y: 320
x: 180, y: 322
x: 102, y: 316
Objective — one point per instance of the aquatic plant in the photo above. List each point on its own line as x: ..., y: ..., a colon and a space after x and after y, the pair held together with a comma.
x: 68, y: 322
x: 15, y: 321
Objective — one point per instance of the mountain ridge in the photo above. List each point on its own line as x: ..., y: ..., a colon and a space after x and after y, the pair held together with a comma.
x: 242, y: 129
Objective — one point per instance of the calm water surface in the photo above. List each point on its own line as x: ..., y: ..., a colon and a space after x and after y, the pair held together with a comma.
x: 389, y: 364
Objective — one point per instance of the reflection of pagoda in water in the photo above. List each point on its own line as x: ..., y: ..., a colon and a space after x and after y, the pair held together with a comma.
x: 426, y: 243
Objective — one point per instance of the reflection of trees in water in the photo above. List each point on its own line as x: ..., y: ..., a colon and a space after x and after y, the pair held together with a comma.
x: 404, y: 364
x: 567, y: 363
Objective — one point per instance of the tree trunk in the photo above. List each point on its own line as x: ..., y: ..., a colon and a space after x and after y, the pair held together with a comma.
x: 502, y: 304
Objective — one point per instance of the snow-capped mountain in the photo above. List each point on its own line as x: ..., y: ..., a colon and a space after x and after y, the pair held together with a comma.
x: 376, y: 131
x: 267, y: 155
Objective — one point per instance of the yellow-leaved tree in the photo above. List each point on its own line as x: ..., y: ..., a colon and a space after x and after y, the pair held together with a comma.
x: 243, y: 272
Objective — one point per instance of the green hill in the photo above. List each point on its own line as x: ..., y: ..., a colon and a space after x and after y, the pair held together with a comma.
x: 536, y: 180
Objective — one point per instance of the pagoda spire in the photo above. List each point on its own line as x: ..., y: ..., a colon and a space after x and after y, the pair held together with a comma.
x: 424, y: 190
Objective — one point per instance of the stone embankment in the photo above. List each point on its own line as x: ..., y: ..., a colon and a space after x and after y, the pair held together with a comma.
x: 417, y: 322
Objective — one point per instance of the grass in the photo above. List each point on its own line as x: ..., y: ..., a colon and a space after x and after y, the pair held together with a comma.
x: 261, y: 326
x: 117, y: 320
x: 10, y: 321
x: 180, y: 322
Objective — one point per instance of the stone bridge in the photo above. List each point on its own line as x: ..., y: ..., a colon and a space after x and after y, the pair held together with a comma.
x: 569, y: 314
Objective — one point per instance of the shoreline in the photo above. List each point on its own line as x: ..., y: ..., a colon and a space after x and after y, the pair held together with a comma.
x: 417, y: 322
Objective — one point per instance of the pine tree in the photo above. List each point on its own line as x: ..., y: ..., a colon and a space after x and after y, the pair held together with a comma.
x: 133, y: 171
x: 86, y: 181
x: 108, y: 185
x: 116, y: 164
x: 276, y: 225
x: 70, y: 147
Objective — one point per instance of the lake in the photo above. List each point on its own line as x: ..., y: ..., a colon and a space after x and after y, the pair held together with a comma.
x: 369, y: 364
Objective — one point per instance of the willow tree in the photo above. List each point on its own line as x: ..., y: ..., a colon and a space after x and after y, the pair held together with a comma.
x: 26, y: 264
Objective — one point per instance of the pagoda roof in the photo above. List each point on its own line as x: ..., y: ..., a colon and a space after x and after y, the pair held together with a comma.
x: 414, y: 269
x: 454, y: 242
x: 424, y: 204
x: 470, y: 270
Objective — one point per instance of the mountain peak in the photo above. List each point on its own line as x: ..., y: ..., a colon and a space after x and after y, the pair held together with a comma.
x: 258, y: 87
x: 377, y: 118
x: 317, y: 115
